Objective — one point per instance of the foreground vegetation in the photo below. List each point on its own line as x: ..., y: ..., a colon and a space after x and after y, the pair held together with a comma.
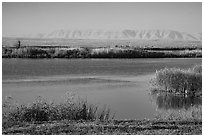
x: 113, y: 127
x: 100, y: 52
x: 72, y: 108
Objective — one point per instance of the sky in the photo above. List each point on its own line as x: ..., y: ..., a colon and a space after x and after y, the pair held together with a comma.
x: 32, y: 18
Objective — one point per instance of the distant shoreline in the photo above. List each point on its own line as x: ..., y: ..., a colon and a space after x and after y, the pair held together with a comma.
x: 100, y: 52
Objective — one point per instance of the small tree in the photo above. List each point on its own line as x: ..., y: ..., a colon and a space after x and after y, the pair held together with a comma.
x: 18, y: 44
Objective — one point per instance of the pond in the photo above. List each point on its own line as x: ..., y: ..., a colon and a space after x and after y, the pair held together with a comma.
x: 122, y: 84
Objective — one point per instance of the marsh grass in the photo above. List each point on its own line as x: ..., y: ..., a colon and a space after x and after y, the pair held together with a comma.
x: 72, y: 108
x: 186, y: 81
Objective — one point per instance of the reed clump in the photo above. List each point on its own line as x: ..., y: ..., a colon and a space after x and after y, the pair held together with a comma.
x: 178, y: 80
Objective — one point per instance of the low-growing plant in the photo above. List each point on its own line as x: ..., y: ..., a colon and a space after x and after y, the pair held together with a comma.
x: 72, y: 108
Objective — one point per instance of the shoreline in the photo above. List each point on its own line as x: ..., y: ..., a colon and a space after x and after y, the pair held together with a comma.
x: 100, y: 52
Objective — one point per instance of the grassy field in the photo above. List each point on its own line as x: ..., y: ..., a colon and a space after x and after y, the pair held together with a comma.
x: 114, y: 127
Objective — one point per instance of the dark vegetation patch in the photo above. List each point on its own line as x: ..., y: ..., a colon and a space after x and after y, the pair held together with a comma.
x: 61, y: 52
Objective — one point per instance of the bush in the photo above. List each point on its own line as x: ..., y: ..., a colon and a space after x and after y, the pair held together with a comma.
x: 178, y: 80
x: 73, y: 108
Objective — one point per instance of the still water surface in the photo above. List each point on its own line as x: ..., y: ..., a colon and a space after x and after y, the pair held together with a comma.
x: 122, y: 84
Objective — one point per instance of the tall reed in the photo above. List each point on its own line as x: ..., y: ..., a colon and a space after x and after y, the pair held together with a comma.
x: 179, y: 80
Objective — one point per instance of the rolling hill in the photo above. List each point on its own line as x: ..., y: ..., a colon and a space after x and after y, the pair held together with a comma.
x: 123, y: 34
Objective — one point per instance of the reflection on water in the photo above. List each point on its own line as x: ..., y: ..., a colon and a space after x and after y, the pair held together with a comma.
x: 168, y: 101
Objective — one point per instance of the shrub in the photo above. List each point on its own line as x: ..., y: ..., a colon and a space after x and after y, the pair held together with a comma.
x: 178, y: 80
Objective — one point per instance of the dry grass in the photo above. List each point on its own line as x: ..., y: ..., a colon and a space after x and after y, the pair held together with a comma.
x: 114, y: 127
x: 72, y: 108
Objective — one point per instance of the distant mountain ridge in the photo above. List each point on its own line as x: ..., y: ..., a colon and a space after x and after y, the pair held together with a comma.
x: 122, y: 34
